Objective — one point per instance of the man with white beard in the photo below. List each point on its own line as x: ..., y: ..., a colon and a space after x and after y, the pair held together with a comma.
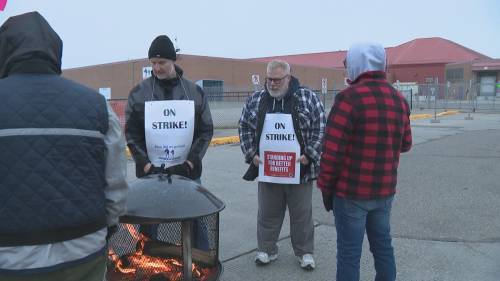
x: 281, y: 130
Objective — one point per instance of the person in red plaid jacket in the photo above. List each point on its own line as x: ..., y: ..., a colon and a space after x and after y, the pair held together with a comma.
x: 367, y: 129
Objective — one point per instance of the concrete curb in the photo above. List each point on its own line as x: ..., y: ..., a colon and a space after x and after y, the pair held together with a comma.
x: 420, y: 116
x: 426, y: 115
x: 451, y: 112
x: 225, y: 140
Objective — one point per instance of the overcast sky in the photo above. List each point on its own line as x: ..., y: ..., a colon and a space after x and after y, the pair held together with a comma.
x: 104, y: 31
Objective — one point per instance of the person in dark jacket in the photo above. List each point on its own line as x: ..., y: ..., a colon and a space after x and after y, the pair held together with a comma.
x: 281, y: 129
x: 169, y: 125
x: 366, y: 131
x: 62, y: 162
x: 156, y: 132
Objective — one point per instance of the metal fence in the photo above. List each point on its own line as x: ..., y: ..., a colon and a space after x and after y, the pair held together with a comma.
x: 226, y: 106
x: 226, y: 111
x: 460, y: 96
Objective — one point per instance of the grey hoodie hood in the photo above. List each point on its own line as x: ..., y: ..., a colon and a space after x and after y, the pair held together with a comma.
x: 29, y: 37
x: 364, y: 57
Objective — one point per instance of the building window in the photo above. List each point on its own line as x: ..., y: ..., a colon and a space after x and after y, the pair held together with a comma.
x: 214, y: 89
x: 456, y: 74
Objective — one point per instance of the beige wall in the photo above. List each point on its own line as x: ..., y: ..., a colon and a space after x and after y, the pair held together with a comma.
x: 236, y: 74
x: 466, y: 66
x: 117, y: 76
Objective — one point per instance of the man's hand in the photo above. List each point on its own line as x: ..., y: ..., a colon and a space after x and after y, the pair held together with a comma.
x: 152, y: 169
x: 303, y: 160
x: 328, y: 202
x: 147, y: 167
x: 256, y: 160
x: 190, y: 164
x: 182, y: 170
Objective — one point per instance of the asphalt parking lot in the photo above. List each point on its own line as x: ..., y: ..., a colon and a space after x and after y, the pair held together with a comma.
x: 445, y: 218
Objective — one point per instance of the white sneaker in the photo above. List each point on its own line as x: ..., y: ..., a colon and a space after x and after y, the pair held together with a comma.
x: 307, y: 262
x: 263, y: 258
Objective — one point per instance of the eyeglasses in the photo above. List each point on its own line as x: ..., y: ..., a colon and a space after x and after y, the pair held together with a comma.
x: 276, y: 80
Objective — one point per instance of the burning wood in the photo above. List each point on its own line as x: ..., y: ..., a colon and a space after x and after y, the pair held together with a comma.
x: 149, y: 265
x: 167, y: 250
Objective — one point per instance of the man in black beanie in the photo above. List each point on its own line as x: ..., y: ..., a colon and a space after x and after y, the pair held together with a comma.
x: 156, y: 133
x: 162, y: 47
x: 168, y: 124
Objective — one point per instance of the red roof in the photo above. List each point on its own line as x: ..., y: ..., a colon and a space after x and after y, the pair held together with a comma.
x: 418, y: 51
x: 480, y: 65
x: 431, y: 50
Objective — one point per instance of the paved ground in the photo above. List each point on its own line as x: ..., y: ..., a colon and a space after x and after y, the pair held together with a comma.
x: 445, y: 219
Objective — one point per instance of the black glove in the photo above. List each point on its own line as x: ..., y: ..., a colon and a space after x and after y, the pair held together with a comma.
x: 156, y: 170
x: 181, y: 170
x: 328, y: 202
x: 252, y: 173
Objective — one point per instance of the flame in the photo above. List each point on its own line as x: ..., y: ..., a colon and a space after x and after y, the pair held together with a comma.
x: 136, y: 235
x: 138, y: 262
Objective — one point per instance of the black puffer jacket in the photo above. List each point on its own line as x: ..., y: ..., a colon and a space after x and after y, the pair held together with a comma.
x: 52, y: 149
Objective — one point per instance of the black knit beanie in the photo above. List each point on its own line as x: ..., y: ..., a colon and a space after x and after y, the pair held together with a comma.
x: 162, y: 47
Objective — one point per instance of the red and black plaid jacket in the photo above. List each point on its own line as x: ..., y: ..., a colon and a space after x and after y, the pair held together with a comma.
x: 368, y: 127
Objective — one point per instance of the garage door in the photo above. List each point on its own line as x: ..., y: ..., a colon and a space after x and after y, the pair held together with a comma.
x: 487, y: 86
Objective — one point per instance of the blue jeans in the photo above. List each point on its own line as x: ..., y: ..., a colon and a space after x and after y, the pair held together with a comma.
x: 352, y: 218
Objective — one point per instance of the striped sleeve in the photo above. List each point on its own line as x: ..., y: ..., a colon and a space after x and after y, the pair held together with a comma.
x: 247, y: 127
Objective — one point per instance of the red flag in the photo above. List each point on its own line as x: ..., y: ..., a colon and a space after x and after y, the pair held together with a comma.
x: 2, y: 4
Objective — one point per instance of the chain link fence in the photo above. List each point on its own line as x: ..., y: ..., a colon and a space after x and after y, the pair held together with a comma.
x: 459, y: 96
x: 226, y: 106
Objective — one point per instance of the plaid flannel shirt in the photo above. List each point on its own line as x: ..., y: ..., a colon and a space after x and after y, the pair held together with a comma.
x: 367, y: 129
x: 312, y: 126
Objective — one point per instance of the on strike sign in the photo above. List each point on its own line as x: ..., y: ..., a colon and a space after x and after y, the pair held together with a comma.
x: 279, y: 164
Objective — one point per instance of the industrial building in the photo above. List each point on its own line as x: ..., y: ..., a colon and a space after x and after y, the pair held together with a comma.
x: 215, y: 75
x: 421, y: 61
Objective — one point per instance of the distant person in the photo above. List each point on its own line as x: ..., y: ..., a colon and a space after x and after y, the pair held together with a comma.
x: 367, y: 129
x: 62, y: 162
x: 166, y: 111
x: 281, y: 129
